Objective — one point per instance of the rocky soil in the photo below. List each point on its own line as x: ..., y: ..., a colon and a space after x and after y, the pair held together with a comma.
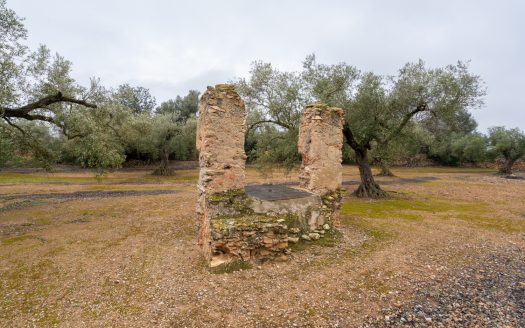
x: 446, y: 250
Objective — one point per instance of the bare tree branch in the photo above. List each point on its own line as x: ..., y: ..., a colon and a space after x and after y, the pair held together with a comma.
x: 14, y: 125
x: 282, y: 124
x: 25, y: 111
x: 406, y: 119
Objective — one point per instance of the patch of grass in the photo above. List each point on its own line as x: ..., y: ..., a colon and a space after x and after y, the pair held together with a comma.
x: 494, y: 223
x: 373, y: 283
x: 32, y: 284
x: 121, y: 187
x: 231, y: 267
x: 297, y: 247
x: 477, y: 213
x: 178, y: 177
x: 12, y: 240
x: 446, y: 170
x: 42, y: 221
x: 408, y: 209
x: 331, y: 238
x: 6, y: 178
x: 379, y: 234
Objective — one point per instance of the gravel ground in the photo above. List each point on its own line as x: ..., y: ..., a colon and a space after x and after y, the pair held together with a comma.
x: 490, y: 293
x: 112, y: 259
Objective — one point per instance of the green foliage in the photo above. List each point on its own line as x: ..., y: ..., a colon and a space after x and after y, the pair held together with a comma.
x: 274, y: 148
x: 420, y: 109
x: 123, y: 123
x: 101, y: 151
x: 278, y: 97
x: 471, y: 148
x: 274, y: 102
x: 184, y: 107
x: 138, y: 98
x: 34, y: 147
x: 379, y: 108
x: 390, y: 116
x: 507, y: 143
x: 33, y: 75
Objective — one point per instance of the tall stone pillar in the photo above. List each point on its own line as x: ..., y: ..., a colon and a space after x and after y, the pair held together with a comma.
x: 220, y: 142
x: 320, y: 145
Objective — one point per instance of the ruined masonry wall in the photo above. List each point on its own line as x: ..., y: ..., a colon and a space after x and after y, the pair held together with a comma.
x: 220, y: 142
x: 320, y: 145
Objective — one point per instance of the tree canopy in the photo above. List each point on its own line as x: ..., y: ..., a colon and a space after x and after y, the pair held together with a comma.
x: 509, y: 144
x: 377, y: 108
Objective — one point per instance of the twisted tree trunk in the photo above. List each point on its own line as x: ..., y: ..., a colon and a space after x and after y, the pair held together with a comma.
x: 164, y: 169
x: 507, y: 166
x: 385, y: 170
x: 368, y: 187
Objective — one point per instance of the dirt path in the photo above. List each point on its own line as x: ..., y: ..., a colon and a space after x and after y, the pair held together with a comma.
x: 446, y: 250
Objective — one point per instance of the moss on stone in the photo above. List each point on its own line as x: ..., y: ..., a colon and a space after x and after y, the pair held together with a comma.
x: 333, y: 199
x: 319, y: 105
x: 224, y: 87
x: 292, y: 220
x: 235, y: 199
x: 242, y: 222
x: 226, y: 196
x: 329, y: 239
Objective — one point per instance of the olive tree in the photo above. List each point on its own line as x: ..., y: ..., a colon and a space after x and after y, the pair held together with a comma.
x: 378, y: 109
x: 35, y: 85
x: 186, y: 107
x: 509, y: 144
x: 138, y: 98
x: 274, y: 102
x: 38, y: 93
x: 169, y: 133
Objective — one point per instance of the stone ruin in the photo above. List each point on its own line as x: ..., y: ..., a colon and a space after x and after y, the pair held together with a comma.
x: 320, y: 144
x: 254, y: 223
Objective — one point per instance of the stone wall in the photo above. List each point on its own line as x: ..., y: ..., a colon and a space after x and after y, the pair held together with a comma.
x: 320, y: 145
x: 220, y: 142
x: 258, y: 223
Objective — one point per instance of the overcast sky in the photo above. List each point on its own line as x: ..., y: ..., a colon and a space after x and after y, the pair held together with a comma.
x: 173, y: 46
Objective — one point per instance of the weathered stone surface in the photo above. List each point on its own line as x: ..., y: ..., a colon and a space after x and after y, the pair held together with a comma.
x: 248, y: 237
x: 320, y: 145
x: 257, y: 223
x: 220, y: 142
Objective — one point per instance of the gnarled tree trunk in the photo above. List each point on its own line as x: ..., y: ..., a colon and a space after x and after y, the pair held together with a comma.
x: 507, y: 166
x: 368, y: 187
x: 164, y: 163
x: 385, y: 170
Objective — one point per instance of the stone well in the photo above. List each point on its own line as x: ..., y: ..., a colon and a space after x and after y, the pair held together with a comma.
x: 258, y: 222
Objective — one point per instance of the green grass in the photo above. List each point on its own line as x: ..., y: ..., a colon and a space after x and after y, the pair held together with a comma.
x: 32, y: 280
x: 28, y: 178
x: 8, y: 178
x: 172, y: 178
x: 445, y: 170
x: 16, y: 239
x: 505, y: 225
x: 478, y: 213
x: 408, y: 209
